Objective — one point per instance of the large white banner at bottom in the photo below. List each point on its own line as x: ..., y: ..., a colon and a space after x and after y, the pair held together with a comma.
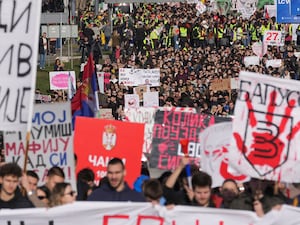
x: 116, y: 213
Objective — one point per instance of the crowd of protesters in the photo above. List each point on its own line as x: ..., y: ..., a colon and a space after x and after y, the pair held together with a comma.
x: 191, y: 50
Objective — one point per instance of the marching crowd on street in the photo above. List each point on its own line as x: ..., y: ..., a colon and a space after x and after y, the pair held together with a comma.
x: 191, y: 50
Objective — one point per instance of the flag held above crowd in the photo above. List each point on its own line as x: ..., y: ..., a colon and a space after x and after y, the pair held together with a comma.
x: 85, y: 101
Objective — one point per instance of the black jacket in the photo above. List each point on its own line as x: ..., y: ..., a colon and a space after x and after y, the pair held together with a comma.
x: 17, y: 202
x: 107, y: 193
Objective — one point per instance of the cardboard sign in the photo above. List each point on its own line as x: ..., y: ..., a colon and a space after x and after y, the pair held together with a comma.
x: 220, y: 85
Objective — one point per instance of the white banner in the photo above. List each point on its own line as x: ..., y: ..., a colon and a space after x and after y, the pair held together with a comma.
x: 51, y: 142
x: 120, y: 213
x: 215, y: 141
x: 20, y: 22
x: 136, y: 77
x: 266, y: 137
x: 59, y: 80
x: 273, y: 37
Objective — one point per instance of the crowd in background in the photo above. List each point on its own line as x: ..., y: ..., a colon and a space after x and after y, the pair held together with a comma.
x: 191, y: 50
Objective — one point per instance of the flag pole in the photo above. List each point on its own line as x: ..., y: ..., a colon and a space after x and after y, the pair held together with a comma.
x: 184, y: 146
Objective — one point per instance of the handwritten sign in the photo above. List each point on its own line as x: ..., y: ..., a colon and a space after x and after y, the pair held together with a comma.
x: 266, y: 137
x: 20, y: 21
x: 51, y: 142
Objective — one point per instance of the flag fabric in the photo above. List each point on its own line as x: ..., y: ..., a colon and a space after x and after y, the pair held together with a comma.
x: 84, y: 103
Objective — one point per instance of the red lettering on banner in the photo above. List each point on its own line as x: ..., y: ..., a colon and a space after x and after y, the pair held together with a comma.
x: 176, y: 120
x: 197, y: 222
x: 166, y: 120
x: 165, y: 132
x: 152, y: 218
x: 175, y: 131
x: 169, y: 162
x: 108, y: 217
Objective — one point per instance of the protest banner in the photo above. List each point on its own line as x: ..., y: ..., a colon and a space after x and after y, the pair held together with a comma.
x: 96, y: 141
x: 129, y: 213
x: 169, y: 128
x: 59, y: 80
x: 266, y: 137
x: 150, y: 99
x: 51, y: 142
x: 215, y: 141
x: 136, y: 77
x: 19, y: 40
x: 103, y: 81
x: 131, y: 101
x: 273, y: 38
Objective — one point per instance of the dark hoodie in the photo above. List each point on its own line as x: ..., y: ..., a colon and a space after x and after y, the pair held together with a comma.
x: 107, y: 193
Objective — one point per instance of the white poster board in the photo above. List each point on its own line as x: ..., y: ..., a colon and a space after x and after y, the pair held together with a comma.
x: 151, y: 99
x: 20, y: 23
x: 136, y: 77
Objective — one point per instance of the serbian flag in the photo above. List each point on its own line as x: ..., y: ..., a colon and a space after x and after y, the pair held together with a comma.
x: 85, y: 101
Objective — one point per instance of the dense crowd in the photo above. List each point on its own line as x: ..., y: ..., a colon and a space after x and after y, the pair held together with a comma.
x: 191, y: 50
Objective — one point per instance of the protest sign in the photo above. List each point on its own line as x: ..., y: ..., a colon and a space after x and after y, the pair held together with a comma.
x: 19, y: 40
x: 131, y: 101
x: 220, y: 85
x: 169, y: 128
x: 51, y: 142
x: 136, y: 77
x: 97, y: 141
x: 150, y: 99
x: 215, y: 141
x: 273, y: 38
x: 146, y: 116
x: 259, y: 49
x: 129, y: 213
x: 103, y: 81
x: 251, y: 60
x: 266, y: 137
x: 59, y: 80
x: 275, y: 63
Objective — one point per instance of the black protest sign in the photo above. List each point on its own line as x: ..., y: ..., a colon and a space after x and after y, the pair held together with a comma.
x: 172, y: 126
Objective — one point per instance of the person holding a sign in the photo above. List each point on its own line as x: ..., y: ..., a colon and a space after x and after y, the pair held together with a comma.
x: 10, y: 194
x: 116, y: 189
